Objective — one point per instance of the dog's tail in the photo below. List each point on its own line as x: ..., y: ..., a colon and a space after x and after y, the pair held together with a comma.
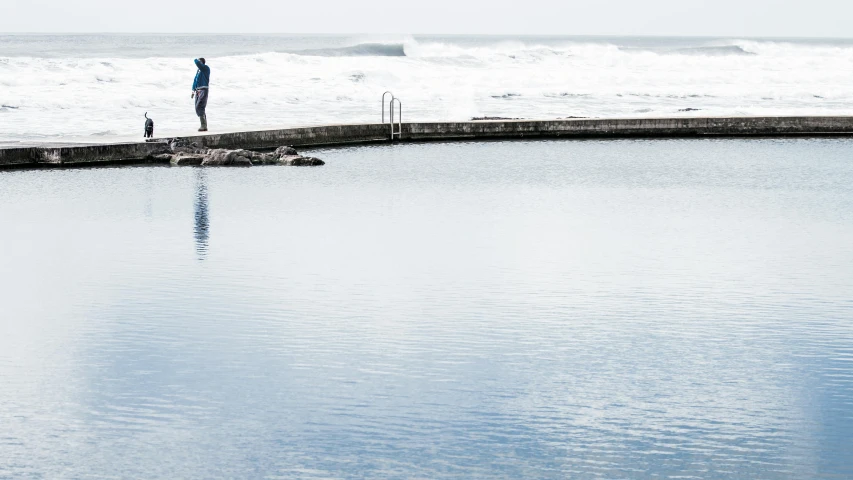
x: 146, y: 115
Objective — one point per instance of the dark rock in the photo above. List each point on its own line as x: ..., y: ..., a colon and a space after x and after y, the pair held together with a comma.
x: 186, y: 153
x: 282, y: 151
x: 689, y: 109
x: 184, y: 159
x: 300, y: 161
x: 178, y: 145
x: 265, y: 159
x: 248, y: 154
x: 240, y: 161
x: 222, y: 157
x: 308, y: 162
x: 162, y: 157
x: 262, y: 159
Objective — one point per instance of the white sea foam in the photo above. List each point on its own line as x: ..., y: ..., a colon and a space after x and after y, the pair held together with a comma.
x: 78, y: 98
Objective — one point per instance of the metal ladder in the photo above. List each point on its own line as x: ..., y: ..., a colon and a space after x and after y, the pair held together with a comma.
x: 398, y: 131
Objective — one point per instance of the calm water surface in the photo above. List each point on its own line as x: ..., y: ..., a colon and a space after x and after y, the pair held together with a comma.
x: 623, y: 309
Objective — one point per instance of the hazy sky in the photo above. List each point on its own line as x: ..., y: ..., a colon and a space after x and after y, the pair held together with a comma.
x: 814, y: 18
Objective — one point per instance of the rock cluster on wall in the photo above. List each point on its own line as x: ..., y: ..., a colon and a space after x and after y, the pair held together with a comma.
x: 182, y: 152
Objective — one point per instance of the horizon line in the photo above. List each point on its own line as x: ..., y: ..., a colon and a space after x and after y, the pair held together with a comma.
x: 531, y: 35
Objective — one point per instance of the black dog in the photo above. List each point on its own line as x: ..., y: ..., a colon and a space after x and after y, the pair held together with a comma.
x: 149, y: 126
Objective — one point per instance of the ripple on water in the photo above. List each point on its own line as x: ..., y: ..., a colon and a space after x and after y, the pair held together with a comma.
x: 619, y: 309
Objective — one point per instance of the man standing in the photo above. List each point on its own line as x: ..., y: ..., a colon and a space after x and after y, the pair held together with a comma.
x: 201, y: 87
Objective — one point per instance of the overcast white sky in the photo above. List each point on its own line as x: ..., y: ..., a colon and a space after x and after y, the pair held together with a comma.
x: 782, y: 18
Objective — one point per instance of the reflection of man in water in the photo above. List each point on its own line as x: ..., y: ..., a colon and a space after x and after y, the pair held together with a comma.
x: 201, y: 88
x: 201, y: 229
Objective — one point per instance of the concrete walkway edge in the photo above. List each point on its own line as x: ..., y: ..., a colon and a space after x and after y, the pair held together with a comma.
x: 106, y: 154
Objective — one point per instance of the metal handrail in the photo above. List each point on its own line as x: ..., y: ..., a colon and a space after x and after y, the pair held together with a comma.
x: 383, y: 103
x: 399, y: 131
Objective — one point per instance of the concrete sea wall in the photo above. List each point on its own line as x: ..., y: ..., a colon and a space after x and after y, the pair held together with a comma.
x: 82, y: 155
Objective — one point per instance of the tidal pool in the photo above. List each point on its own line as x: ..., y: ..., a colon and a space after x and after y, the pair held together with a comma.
x: 546, y: 309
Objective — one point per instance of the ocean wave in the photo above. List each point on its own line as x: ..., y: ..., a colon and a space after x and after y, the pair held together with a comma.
x: 703, y: 50
x: 714, y: 50
x: 360, y: 50
x: 565, y: 95
x: 436, y: 79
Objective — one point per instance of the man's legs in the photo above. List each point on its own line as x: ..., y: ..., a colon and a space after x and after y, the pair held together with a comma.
x: 200, y: 106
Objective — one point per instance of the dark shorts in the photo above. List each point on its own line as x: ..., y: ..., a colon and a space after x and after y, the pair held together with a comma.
x: 200, y: 101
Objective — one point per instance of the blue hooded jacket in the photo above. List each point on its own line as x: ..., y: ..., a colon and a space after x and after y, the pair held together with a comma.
x: 202, y: 77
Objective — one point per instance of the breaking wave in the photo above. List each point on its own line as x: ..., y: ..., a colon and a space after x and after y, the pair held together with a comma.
x: 720, y: 50
x: 703, y: 50
x: 264, y: 85
x: 360, y: 50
